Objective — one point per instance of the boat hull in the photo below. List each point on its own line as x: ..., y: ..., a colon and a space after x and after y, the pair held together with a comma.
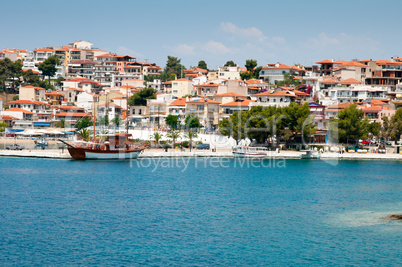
x: 310, y: 155
x: 249, y: 155
x: 83, y: 154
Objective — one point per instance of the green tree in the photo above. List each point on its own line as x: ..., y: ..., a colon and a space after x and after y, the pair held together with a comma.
x: 173, y: 69
x: 5, y: 72
x: 3, y: 126
x: 253, y: 72
x: 173, y: 135
x: 9, y: 73
x: 30, y: 78
x: 192, y: 121
x: 386, y: 129
x: 374, y: 128
x: 202, y: 65
x: 62, y: 123
x: 60, y: 81
x: 250, y: 64
x: 104, y: 120
x: 116, y: 121
x: 288, y: 80
x: 141, y: 96
x: 263, y: 124
x: 350, y: 125
x: 157, y: 136
x: 16, y: 97
x: 191, y: 135
x: 230, y: 63
x: 83, y: 122
x: 172, y: 121
x: 48, y: 67
x: 85, y: 134
x: 396, y: 122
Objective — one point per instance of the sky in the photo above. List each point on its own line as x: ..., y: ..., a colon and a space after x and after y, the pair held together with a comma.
x: 285, y: 31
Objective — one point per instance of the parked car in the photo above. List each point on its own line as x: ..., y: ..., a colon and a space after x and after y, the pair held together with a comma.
x: 387, y: 143
x: 15, y: 147
x: 203, y: 146
x: 366, y: 142
x: 10, y: 135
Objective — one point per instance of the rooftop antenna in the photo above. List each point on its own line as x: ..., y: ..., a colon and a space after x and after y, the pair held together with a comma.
x: 146, y: 60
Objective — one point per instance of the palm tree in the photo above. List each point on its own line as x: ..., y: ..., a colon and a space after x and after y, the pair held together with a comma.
x: 102, y: 134
x: 157, y: 136
x: 173, y: 135
x: 62, y: 123
x: 84, y: 134
x: 191, y: 135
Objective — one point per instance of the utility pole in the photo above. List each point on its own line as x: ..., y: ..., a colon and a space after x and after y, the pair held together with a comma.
x: 158, y: 117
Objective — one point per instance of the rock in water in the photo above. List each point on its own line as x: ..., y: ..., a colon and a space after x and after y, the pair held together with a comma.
x: 395, y: 217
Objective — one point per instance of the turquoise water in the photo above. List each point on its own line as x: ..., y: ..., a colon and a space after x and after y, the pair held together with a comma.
x: 205, y: 213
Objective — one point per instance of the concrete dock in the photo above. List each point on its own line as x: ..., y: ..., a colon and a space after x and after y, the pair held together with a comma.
x: 227, y: 153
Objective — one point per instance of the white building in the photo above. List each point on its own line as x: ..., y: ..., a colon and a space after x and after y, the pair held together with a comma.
x: 81, y: 45
x: 87, y: 100
x: 232, y: 73
x: 182, y: 87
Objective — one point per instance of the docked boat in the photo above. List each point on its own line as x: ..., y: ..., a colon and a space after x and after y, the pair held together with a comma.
x: 249, y: 152
x: 113, y: 146
x: 310, y: 154
x: 41, y: 142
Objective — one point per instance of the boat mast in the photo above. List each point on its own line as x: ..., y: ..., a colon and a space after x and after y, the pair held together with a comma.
x: 127, y: 109
x: 94, y: 117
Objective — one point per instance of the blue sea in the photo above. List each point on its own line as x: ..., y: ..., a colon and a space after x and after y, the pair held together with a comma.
x: 199, y: 212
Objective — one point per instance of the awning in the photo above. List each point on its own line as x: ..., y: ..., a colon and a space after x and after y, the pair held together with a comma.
x: 42, y: 124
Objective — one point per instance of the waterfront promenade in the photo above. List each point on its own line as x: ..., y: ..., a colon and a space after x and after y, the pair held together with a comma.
x: 220, y: 152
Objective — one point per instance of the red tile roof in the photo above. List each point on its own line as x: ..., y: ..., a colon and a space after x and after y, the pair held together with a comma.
x: 54, y: 93
x: 21, y: 102
x: 36, y: 88
x: 73, y: 114
x: 8, y: 118
x: 65, y: 107
x: 211, y: 84
x: 20, y: 109
x: 202, y: 100
x: 178, y: 102
x: 352, y: 64
x: 280, y: 66
x: 329, y: 81
x: 230, y: 94
x: 339, y: 106
x: 238, y: 103
x: 349, y: 81
x: 325, y: 61
x: 43, y: 50
x: 276, y: 93
x: 253, y: 81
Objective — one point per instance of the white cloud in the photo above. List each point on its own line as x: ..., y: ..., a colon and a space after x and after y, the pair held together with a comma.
x: 324, y: 39
x: 278, y: 40
x: 252, y: 32
x: 181, y: 49
x: 127, y: 51
x: 216, y: 48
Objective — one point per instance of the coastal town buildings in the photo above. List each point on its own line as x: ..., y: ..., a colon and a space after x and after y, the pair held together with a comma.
x: 98, y: 82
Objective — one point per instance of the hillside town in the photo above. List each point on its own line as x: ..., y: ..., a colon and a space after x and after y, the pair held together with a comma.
x: 54, y: 87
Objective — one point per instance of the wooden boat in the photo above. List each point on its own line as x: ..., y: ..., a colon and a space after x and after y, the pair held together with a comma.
x: 249, y: 152
x: 115, y: 146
